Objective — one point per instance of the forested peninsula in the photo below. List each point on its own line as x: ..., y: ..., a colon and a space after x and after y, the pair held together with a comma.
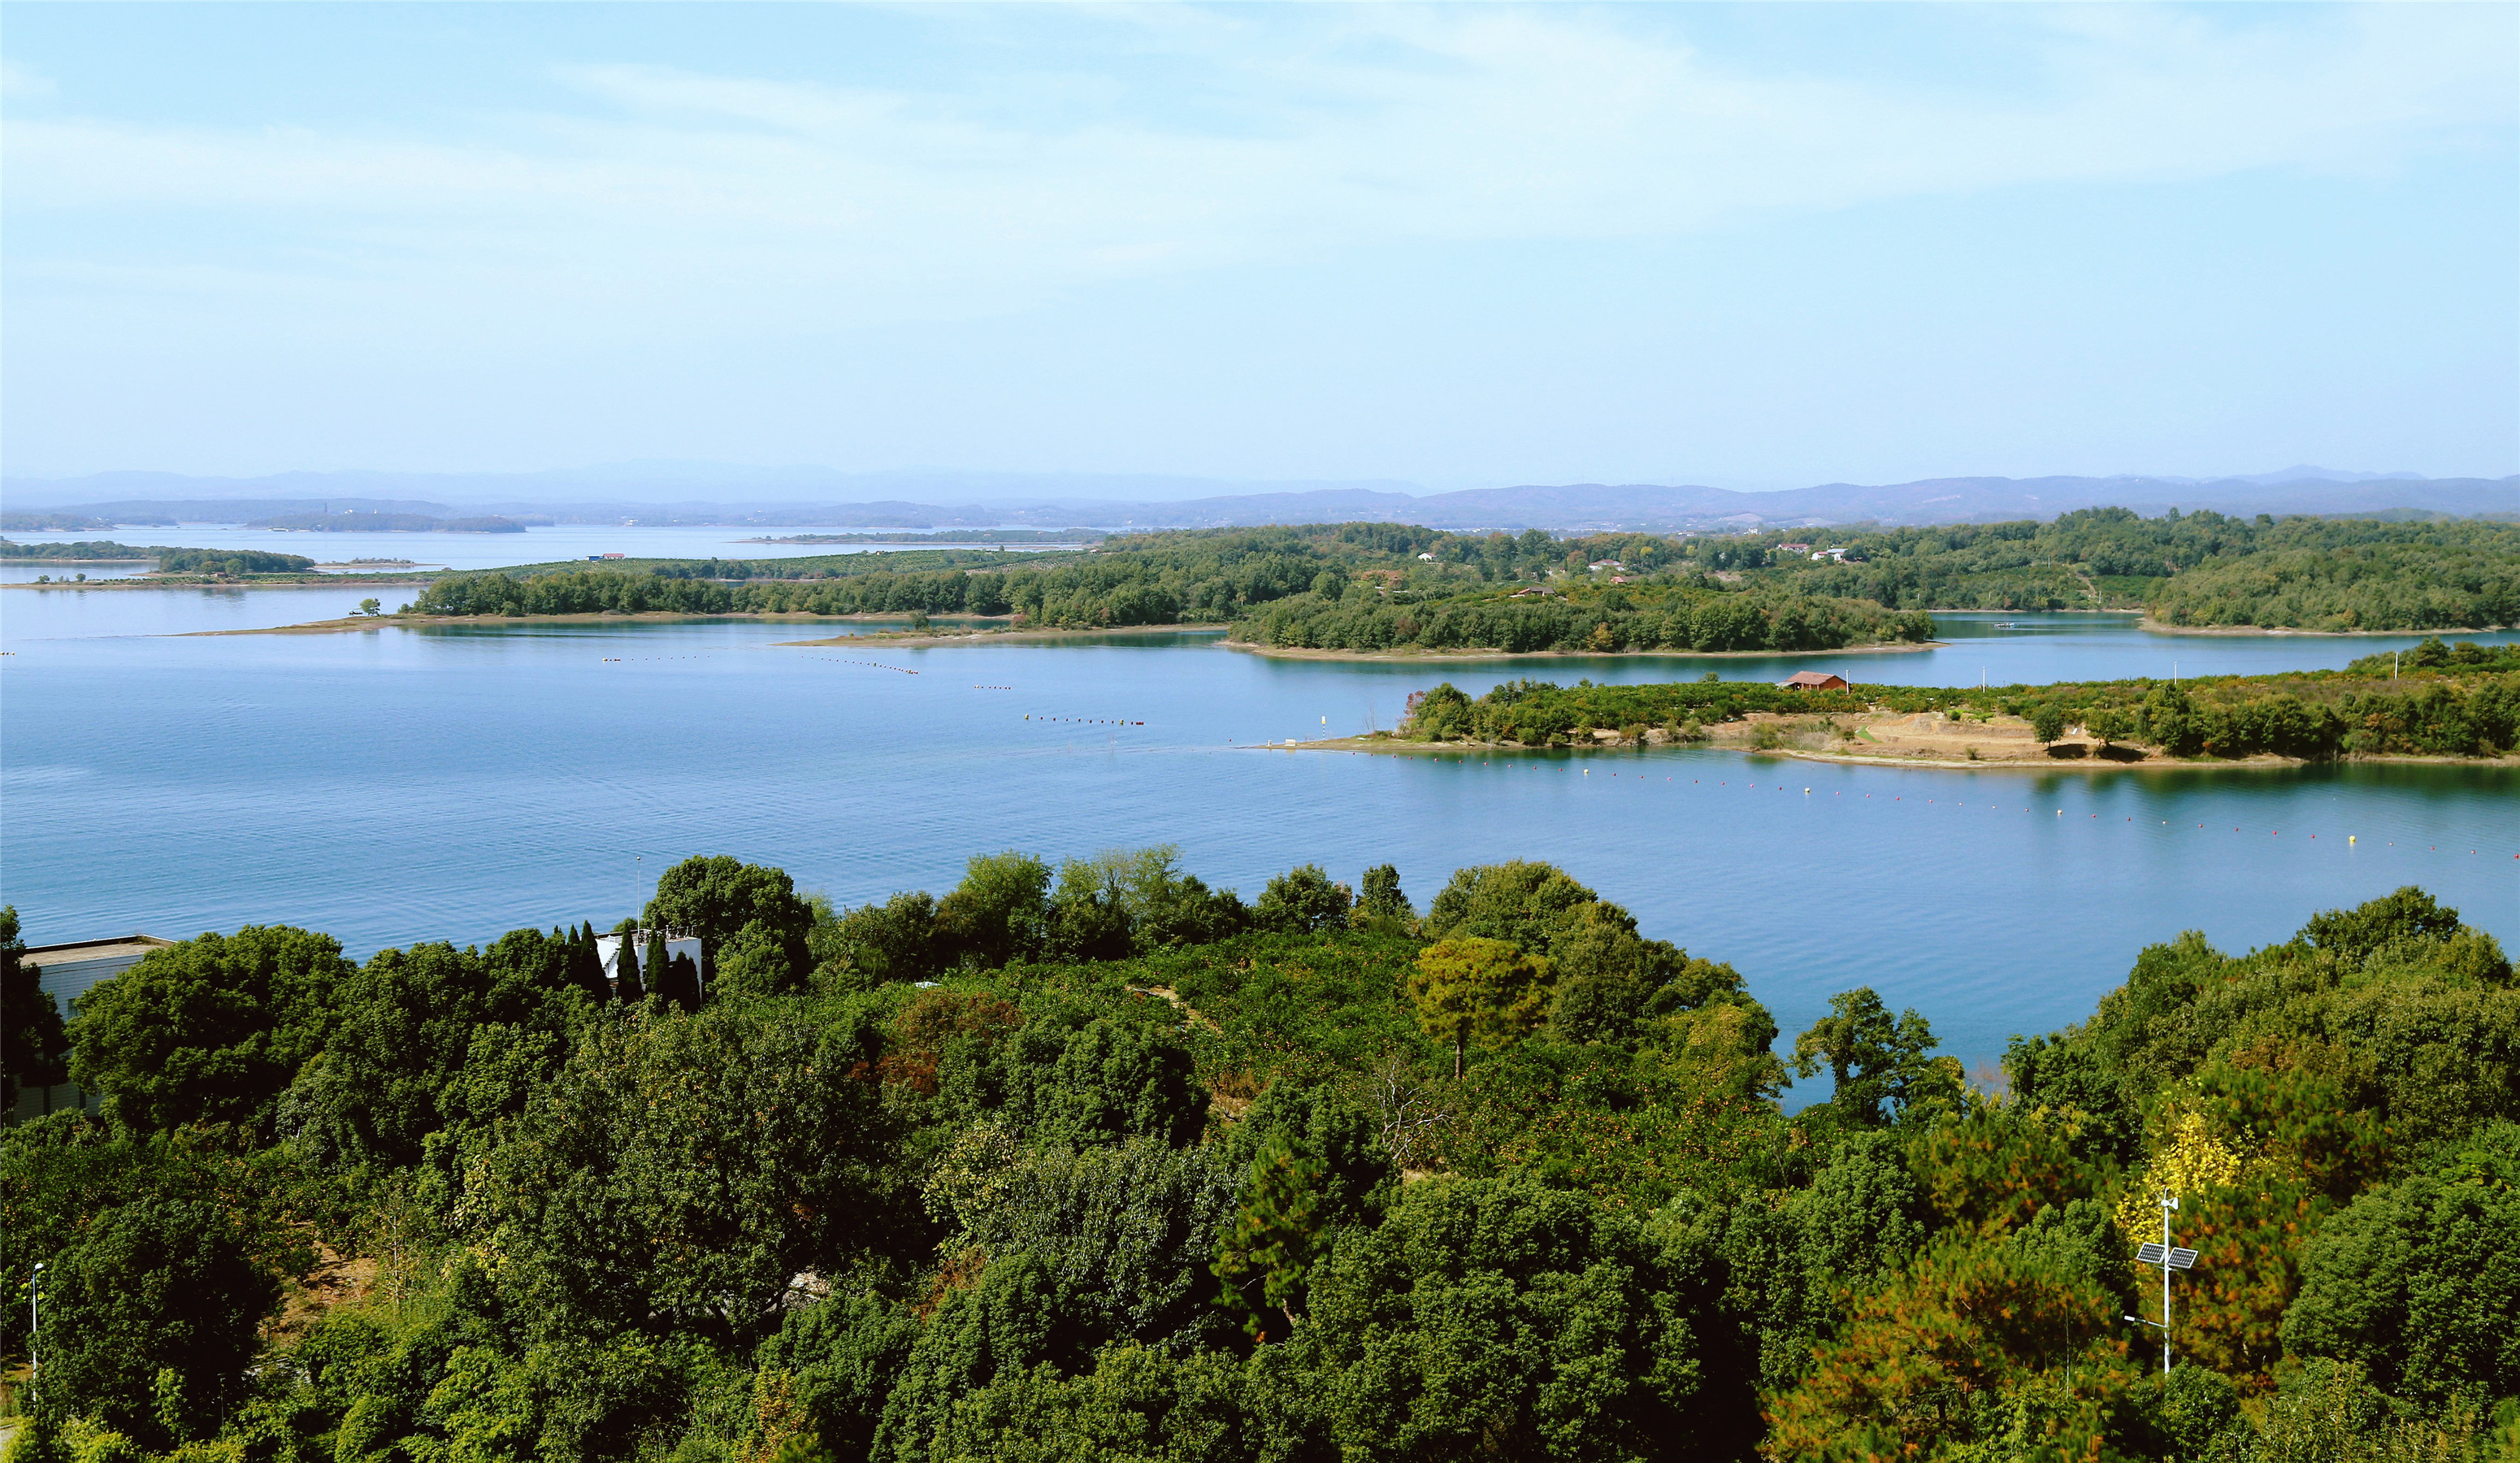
x: 1099, y: 1162
x: 2434, y: 700
x: 1385, y: 588
x: 176, y: 564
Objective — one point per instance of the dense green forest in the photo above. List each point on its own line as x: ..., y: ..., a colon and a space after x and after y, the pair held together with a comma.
x: 1583, y: 617
x: 1385, y: 586
x: 1350, y: 587
x: 2434, y: 700
x: 1099, y: 1162
x: 2200, y: 569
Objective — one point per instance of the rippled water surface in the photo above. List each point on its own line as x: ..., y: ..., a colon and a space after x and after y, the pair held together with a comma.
x: 394, y: 785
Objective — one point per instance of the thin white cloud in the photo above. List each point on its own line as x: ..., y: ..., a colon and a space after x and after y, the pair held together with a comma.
x: 17, y: 83
x: 731, y: 204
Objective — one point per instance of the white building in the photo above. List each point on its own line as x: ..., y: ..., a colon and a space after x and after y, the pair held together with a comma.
x: 608, y: 948
x: 67, y: 971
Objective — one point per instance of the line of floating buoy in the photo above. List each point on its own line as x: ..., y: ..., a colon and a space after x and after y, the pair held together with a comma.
x: 870, y: 665
x: 2351, y: 840
x: 1083, y: 721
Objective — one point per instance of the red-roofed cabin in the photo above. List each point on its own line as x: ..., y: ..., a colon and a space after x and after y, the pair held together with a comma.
x: 1812, y: 680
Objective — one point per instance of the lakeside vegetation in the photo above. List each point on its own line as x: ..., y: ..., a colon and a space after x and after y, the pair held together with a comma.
x: 1378, y: 588
x: 1099, y: 1162
x: 2433, y: 700
x: 2195, y: 570
x: 84, y: 551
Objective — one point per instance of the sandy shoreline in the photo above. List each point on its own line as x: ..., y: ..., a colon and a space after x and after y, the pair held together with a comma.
x: 918, y: 638
x: 2148, y: 763
x: 676, y: 616
x: 1879, y: 739
x: 1286, y: 653
x: 326, y: 581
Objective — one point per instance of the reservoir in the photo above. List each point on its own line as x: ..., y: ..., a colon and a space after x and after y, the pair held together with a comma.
x: 397, y: 784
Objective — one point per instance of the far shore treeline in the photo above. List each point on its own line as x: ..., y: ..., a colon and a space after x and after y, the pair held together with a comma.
x: 1375, y: 587
x: 2434, y: 700
x: 1096, y: 1161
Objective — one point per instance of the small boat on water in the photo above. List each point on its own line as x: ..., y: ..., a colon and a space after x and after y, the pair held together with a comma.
x: 2005, y: 625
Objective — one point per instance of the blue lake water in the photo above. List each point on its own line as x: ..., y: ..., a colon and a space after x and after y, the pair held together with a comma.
x: 394, y: 785
x: 537, y: 545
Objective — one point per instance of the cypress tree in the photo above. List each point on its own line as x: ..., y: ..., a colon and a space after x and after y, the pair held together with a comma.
x: 652, y: 962
x: 681, y: 983
x: 586, y: 964
x: 625, y: 974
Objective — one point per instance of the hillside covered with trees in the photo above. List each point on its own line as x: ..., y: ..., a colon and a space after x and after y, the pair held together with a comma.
x: 1096, y: 1161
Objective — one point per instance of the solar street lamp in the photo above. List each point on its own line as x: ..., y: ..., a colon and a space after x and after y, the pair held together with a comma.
x: 2170, y: 1257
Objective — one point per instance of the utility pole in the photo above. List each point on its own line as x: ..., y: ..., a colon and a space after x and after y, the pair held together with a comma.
x: 2170, y: 1259
x: 34, y: 1329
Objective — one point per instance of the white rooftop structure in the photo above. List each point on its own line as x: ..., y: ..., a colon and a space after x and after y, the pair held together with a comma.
x: 68, y: 970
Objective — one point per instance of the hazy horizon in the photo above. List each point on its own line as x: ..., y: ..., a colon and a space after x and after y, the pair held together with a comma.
x: 691, y: 483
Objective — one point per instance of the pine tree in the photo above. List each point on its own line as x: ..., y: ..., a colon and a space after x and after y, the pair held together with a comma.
x: 681, y: 983
x: 586, y: 964
x: 1483, y: 991
x: 625, y: 974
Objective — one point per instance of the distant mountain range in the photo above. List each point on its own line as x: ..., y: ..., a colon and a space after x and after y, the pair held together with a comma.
x: 954, y: 500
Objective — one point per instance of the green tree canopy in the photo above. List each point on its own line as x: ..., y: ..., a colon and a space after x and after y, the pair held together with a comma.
x: 32, y: 1040
x: 2417, y: 1281
x: 1878, y: 1062
x: 716, y: 897
x: 1301, y: 900
x: 407, y: 1022
x: 208, y: 1029
x: 998, y: 912
x: 152, y: 1317
x: 1476, y: 989
x: 609, y: 1214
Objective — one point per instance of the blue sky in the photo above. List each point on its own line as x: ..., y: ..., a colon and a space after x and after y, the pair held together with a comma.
x: 1750, y: 246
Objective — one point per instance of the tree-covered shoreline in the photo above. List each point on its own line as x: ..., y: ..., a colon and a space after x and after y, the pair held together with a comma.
x: 1097, y: 1162
x: 2436, y: 700
x: 1375, y: 588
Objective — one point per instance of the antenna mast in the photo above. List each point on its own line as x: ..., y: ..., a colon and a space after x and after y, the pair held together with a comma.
x: 2169, y: 1257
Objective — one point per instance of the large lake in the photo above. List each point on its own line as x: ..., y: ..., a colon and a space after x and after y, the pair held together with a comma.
x: 396, y: 785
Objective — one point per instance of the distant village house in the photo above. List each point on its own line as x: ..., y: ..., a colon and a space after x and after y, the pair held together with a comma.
x: 1812, y: 680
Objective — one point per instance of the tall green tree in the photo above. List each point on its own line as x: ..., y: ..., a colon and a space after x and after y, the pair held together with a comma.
x: 606, y: 1219
x: 1474, y: 989
x: 998, y: 912
x: 152, y: 1317
x: 586, y: 965
x: 2417, y: 1281
x: 32, y: 1040
x: 1302, y: 901
x: 626, y: 985
x: 209, y: 1030
x: 1878, y: 1062
x: 1381, y: 896
x: 716, y: 897
x: 681, y: 983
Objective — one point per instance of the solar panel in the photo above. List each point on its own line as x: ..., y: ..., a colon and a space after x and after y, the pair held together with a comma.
x: 2149, y: 1254
x: 2183, y: 1259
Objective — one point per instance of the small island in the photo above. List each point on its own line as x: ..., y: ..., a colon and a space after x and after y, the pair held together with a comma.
x: 2435, y: 702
